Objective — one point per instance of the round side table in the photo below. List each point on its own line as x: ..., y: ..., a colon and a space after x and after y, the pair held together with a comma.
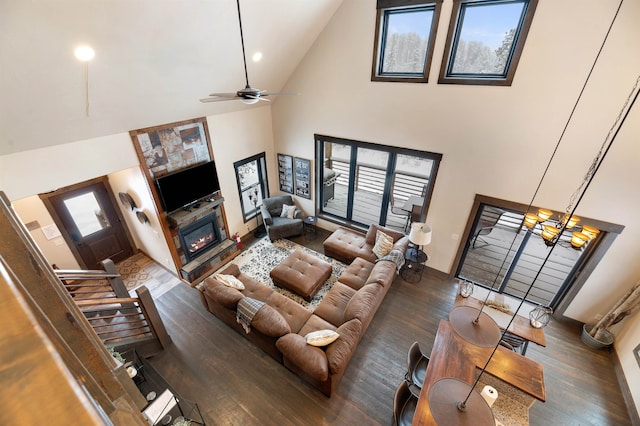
x: 310, y: 230
x: 413, y: 267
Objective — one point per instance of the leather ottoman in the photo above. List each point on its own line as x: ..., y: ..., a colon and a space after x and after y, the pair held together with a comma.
x: 301, y: 273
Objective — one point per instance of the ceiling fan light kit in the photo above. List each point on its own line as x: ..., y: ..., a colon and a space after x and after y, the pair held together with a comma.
x: 248, y: 95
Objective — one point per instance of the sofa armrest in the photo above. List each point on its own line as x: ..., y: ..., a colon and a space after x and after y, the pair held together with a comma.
x: 310, y: 359
x: 402, y: 244
x: 339, y: 353
x: 266, y: 216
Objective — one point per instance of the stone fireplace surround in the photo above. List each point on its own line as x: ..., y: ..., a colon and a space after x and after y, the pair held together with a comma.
x: 191, y: 270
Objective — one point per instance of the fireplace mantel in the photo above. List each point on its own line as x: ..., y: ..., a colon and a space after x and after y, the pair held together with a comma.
x: 183, y: 217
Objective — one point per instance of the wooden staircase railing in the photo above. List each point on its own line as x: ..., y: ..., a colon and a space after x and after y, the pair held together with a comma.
x: 120, y: 321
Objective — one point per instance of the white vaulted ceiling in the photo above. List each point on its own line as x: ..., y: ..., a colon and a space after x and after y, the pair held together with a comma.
x: 154, y: 60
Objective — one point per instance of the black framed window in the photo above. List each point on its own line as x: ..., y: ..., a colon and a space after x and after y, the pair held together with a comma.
x: 485, y: 41
x: 251, y: 177
x: 405, y: 33
x: 361, y: 183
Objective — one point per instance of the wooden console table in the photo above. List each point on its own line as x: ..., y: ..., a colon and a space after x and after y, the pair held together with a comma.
x: 453, y: 357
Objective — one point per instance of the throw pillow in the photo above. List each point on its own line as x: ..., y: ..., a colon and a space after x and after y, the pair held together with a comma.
x: 230, y: 281
x: 288, y: 211
x: 321, y: 337
x: 384, y: 244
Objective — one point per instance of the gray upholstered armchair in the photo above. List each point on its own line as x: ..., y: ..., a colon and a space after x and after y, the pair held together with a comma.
x: 276, y: 225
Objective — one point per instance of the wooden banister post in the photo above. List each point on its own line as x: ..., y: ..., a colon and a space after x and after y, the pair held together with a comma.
x: 116, y: 282
x: 148, y: 306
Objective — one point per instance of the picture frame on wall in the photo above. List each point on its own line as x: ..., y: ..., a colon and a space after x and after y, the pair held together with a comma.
x: 171, y: 147
x: 285, y: 173
x: 302, y: 168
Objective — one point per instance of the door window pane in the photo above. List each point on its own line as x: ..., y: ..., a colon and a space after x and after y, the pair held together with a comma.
x: 336, y: 182
x: 408, y: 191
x: 370, y: 178
x: 503, y: 255
x: 87, y: 214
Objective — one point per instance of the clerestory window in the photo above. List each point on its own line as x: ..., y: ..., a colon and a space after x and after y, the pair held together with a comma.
x: 485, y: 41
x: 405, y: 34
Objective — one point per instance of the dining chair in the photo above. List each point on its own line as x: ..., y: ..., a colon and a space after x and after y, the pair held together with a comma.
x: 416, y: 365
x: 404, y: 404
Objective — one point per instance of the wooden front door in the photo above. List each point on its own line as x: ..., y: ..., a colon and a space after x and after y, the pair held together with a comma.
x: 90, y: 222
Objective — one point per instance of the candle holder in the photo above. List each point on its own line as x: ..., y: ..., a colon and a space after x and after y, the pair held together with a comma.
x: 540, y: 316
x: 465, y: 288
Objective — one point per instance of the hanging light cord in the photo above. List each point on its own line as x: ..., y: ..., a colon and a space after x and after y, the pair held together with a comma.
x: 577, y: 195
x: 613, y: 132
x: 86, y: 89
x: 553, y: 154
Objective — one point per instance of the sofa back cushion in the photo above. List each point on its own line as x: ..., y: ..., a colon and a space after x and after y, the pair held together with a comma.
x: 364, y: 303
x: 383, y: 273
x: 333, y: 304
x: 220, y: 293
x: 293, y: 313
x: 269, y: 322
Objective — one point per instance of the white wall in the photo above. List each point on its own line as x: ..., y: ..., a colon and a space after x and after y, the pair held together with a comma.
x: 234, y: 136
x: 495, y: 141
x: 148, y: 237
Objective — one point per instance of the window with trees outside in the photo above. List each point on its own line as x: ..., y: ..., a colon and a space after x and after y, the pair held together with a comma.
x: 485, y: 41
x: 405, y: 34
x: 251, y: 176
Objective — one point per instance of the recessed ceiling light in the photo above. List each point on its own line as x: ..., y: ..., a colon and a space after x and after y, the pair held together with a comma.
x: 85, y: 53
x: 257, y: 56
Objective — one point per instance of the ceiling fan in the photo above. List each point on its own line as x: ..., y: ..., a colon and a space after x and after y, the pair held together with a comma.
x: 248, y: 95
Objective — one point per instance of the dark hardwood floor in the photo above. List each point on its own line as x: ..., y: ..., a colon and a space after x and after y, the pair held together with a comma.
x: 235, y: 383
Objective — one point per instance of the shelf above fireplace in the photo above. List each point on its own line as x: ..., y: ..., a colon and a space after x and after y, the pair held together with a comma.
x: 182, y: 217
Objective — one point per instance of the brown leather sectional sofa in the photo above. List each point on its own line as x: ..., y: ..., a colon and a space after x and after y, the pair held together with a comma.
x: 279, y: 327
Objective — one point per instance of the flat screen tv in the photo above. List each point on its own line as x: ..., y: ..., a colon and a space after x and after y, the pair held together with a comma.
x: 188, y: 185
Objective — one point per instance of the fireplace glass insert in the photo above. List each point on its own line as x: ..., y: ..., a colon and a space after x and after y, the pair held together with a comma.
x: 199, y: 236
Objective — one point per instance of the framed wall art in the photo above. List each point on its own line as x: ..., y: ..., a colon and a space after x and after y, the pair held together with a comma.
x: 171, y: 147
x: 303, y: 177
x: 285, y: 173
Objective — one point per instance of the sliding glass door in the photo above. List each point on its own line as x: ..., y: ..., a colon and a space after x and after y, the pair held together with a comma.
x: 361, y: 183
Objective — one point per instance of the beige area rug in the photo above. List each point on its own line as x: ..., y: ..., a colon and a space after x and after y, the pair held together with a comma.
x: 140, y: 270
x: 258, y: 260
x: 133, y: 270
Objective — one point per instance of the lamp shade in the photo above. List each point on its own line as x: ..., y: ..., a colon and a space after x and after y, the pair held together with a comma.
x: 590, y: 231
x: 578, y: 239
x: 530, y: 220
x: 544, y: 214
x: 549, y: 232
x: 420, y: 234
x: 572, y: 221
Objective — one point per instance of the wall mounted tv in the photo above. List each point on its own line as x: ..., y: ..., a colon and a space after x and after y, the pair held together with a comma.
x: 188, y: 185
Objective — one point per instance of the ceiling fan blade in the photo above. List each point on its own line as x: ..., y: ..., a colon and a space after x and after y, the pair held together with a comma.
x: 279, y: 94
x: 224, y: 95
x: 219, y: 99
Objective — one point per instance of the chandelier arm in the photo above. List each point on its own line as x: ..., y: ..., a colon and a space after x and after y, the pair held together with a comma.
x: 595, y: 164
